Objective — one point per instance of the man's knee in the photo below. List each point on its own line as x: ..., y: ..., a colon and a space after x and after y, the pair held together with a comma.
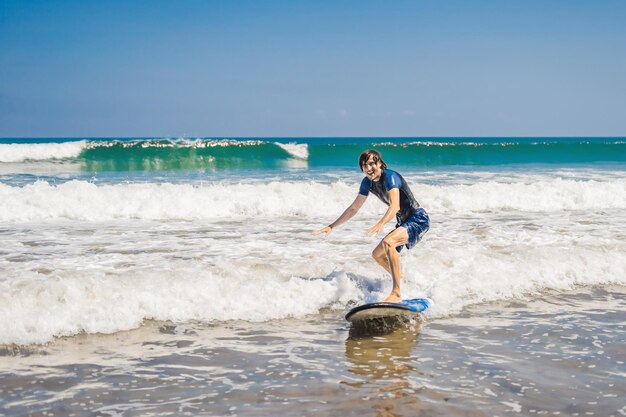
x: 389, y: 243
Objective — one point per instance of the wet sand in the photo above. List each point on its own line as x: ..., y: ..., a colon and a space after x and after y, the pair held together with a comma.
x: 556, y: 354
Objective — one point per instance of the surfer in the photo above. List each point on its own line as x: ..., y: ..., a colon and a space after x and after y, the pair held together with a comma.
x: 412, y: 220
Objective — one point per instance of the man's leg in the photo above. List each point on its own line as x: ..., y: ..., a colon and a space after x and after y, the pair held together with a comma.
x: 380, y: 257
x: 386, y: 256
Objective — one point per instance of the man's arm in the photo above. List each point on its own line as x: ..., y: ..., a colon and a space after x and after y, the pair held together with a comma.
x: 345, y: 216
x: 394, y: 206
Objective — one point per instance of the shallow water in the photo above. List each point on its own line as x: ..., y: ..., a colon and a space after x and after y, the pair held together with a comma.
x: 204, y: 248
x: 556, y: 354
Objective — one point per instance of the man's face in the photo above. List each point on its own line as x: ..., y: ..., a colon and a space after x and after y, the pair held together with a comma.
x: 372, y: 169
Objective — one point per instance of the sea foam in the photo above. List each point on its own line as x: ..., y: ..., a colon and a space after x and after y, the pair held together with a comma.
x: 86, y: 201
x: 18, y: 152
x: 116, y: 284
x: 85, y: 257
x: 297, y: 150
x: 34, y: 309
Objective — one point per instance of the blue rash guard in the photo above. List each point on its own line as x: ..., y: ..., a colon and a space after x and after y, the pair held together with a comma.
x: 391, y: 179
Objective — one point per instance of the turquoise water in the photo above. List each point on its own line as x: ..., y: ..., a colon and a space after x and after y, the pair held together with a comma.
x: 215, y: 154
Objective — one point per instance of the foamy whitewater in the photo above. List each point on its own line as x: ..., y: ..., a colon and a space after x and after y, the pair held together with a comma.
x: 16, y: 152
x: 86, y: 249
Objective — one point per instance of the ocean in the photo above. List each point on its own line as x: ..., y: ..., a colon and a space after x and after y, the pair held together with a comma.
x: 179, y: 276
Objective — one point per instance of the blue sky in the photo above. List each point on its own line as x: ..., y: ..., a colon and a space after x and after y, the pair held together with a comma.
x: 314, y: 68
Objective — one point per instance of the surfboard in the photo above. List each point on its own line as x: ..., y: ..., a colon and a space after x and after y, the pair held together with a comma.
x: 373, y: 311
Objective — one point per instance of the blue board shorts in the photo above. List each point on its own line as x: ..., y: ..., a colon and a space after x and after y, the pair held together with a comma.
x: 416, y: 225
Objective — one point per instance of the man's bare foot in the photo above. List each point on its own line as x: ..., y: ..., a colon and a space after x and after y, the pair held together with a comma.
x: 392, y: 298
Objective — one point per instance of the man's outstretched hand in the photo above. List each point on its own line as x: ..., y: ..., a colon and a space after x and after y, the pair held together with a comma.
x: 374, y: 230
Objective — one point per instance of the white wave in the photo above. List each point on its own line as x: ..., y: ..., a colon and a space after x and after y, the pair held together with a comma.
x: 245, y: 251
x: 34, y: 310
x: 297, y: 150
x: 177, y: 143
x: 85, y: 201
x: 543, y: 195
x: 105, y: 279
x: 428, y: 143
x: 500, y: 259
x: 19, y: 152
x: 211, y: 143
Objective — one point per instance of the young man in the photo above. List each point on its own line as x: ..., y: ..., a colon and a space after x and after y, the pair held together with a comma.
x: 412, y: 220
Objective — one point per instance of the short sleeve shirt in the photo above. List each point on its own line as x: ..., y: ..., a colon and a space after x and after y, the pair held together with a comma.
x: 391, y: 179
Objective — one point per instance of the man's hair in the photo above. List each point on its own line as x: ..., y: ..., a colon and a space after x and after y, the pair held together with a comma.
x: 365, y: 155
